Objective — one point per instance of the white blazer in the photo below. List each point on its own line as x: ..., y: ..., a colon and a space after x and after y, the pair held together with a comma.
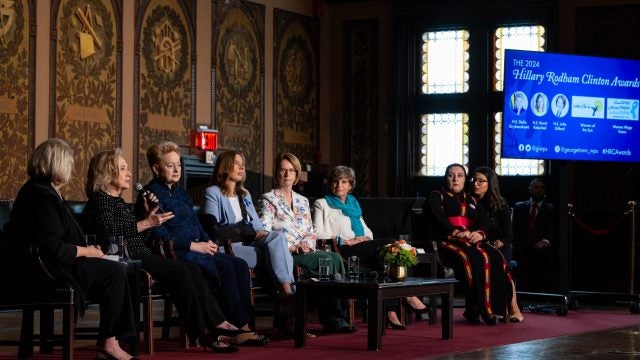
x: 330, y: 222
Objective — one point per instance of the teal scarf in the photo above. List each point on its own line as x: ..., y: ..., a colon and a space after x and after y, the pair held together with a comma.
x: 351, y: 209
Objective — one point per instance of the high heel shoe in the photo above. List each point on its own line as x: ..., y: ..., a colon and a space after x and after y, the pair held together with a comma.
x: 489, y: 320
x: 251, y: 339
x: 213, y: 342
x: 103, y: 355
x: 418, y: 312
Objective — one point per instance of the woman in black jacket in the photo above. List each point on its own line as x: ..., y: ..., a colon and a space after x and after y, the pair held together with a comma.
x: 41, y: 217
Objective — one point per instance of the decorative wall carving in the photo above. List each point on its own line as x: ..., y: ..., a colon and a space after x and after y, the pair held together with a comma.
x: 361, y: 107
x: 238, y: 69
x: 296, y: 84
x: 165, y: 79
x: 86, y: 81
x: 17, y: 52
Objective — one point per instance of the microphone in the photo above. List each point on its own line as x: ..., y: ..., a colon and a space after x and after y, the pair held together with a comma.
x: 147, y: 195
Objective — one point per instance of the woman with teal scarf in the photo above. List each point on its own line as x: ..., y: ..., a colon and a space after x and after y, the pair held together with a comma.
x: 338, y: 215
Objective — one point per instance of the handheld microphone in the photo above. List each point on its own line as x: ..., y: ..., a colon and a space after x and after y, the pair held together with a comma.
x: 147, y: 195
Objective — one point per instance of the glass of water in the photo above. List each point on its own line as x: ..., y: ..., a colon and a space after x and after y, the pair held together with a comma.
x: 353, y: 268
x: 324, y: 269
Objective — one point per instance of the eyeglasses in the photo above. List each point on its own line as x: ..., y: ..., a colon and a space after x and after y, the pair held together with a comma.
x: 284, y: 171
x: 479, y: 181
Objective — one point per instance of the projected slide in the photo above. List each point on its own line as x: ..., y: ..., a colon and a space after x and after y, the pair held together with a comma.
x: 569, y: 107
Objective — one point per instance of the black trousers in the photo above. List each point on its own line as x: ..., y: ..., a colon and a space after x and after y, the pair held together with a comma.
x: 196, y: 305
x: 105, y: 282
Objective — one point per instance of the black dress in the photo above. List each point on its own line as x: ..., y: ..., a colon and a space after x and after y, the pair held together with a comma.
x: 481, y: 268
x: 105, y: 216
x: 42, y: 218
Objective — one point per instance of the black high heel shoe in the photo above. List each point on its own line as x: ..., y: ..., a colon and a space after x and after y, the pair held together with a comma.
x: 489, y: 320
x: 212, y: 341
x: 418, y: 312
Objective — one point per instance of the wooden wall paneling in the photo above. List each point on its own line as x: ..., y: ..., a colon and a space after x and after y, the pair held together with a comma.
x: 361, y: 103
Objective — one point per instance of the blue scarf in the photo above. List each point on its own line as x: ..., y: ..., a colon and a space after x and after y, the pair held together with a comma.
x: 350, y: 209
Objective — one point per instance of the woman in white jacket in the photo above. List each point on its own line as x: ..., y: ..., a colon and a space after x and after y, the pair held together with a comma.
x: 338, y: 215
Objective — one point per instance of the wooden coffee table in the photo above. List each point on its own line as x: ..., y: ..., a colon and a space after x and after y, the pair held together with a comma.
x: 375, y: 292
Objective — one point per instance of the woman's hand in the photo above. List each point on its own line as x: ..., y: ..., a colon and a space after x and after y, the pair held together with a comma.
x: 154, y: 219
x: 499, y: 244
x: 302, y: 248
x: 260, y: 234
x: 209, y: 247
x: 475, y: 237
x: 93, y: 251
x: 355, y: 240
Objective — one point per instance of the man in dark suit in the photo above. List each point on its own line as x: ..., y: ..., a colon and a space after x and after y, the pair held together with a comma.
x: 533, y: 232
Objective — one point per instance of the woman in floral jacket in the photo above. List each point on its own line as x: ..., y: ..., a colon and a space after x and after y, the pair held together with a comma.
x: 284, y: 209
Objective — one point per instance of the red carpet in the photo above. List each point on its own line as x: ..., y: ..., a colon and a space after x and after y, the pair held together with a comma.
x: 418, y: 341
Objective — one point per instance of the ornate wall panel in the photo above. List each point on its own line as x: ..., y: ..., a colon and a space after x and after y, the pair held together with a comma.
x: 86, y: 80
x: 361, y: 106
x: 296, y: 84
x: 17, y: 52
x: 238, y: 69
x: 165, y: 79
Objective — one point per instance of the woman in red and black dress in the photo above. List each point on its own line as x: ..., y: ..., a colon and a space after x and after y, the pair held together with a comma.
x: 459, y: 224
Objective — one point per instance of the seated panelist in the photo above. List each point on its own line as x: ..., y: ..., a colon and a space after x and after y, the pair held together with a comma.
x: 338, y: 215
x: 106, y: 214
x: 41, y: 217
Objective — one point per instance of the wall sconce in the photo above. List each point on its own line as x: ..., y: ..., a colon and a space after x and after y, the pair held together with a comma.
x: 206, y: 140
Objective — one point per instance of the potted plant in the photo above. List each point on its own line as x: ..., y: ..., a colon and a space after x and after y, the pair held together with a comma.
x: 398, y: 256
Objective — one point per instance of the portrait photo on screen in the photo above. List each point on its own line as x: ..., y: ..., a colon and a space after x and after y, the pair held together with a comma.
x: 560, y: 105
x: 539, y: 104
x: 519, y: 103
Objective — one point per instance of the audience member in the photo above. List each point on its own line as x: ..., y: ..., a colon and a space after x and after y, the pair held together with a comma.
x: 460, y: 225
x: 534, y: 229
x: 106, y: 214
x: 228, y: 208
x: 229, y: 275
x: 338, y: 215
x: 500, y: 232
x: 41, y: 217
x: 284, y: 209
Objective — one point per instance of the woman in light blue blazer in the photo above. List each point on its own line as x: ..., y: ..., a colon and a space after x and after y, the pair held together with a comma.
x: 228, y: 203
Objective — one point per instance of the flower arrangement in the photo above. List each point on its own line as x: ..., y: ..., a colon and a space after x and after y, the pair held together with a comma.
x: 399, y: 253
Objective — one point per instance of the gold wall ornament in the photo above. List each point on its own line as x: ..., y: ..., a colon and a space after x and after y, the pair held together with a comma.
x: 167, y: 44
x: 7, y: 18
x: 165, y: 79
x: 296, y: 95
x: 87, y: 89
x: 238, y: 97
x: 87, y: 36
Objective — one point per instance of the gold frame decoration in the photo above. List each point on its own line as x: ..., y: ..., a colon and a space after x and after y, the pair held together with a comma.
x: 165, y: 80
x: 17, y: 79
x: 86, y: 80
x: 238, y: 72
x: 296, y: 84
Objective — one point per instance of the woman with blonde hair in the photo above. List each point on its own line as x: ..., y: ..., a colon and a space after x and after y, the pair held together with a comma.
x: 41, y: 217
x: 283, y: 209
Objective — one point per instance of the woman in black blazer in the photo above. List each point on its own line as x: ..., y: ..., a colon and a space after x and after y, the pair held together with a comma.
x: 41, y: 217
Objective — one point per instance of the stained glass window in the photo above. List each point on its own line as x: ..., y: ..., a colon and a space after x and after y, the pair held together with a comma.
x: 445, y: 62
x: 444, y: 140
